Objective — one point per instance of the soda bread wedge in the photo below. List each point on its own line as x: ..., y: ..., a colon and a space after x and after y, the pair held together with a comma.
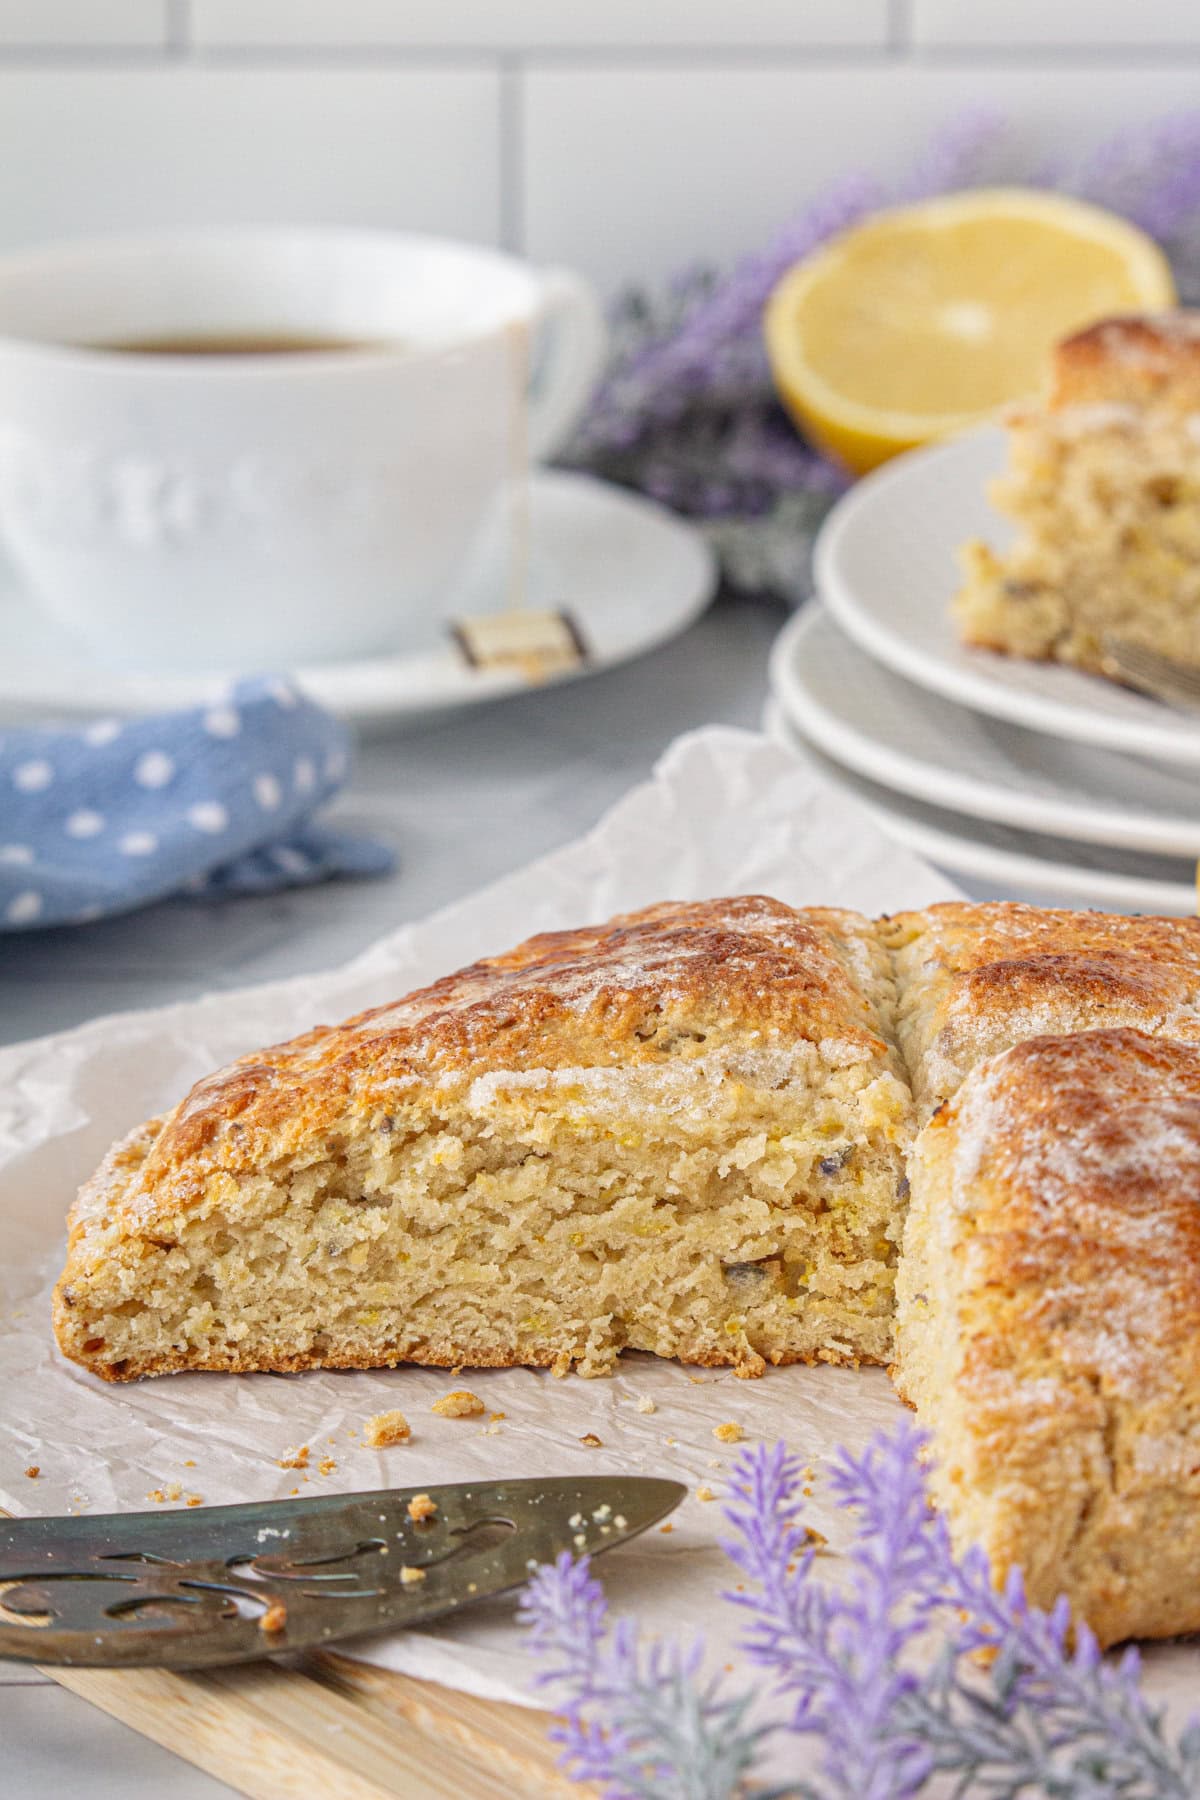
x: 1104, y: 489
x: 1048, y: 1323
x: 681, y: 1132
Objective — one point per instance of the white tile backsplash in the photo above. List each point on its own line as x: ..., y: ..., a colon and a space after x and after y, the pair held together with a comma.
x: 541, y: 24
x: 106, y: 149
x: 632, y: 174
x: 625, y: 136
x: 1056, y: 24
x: 87, y: 24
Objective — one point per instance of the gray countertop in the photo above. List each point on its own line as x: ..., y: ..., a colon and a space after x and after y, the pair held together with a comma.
x: 463, y: 799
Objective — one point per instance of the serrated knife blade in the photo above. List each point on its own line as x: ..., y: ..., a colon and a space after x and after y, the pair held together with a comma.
x: 226, y: 1584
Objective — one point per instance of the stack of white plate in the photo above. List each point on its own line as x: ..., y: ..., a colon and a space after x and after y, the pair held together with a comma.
x: 1027, y: 779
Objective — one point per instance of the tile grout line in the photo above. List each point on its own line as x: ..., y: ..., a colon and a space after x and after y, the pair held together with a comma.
x: 179, y: 28
x: 900, y: 27
x: 181, y: 45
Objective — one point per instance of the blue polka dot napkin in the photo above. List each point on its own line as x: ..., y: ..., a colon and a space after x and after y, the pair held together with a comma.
x: 215, y: 800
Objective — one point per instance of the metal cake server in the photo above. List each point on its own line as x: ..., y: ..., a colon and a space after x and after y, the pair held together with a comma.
x: 226, y: 1584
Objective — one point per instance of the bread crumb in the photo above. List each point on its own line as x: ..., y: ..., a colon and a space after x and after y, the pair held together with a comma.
x: 813, y: 1536
x: 729, y: 1433
x: 326, y: 1466
x: 665, y: 1528
x: 292, y: 1491
x: 421, y: 1506
x: 495, y: 1416
x: 384, y: 1429
x: 705, y: 1493
x: 460, y: 1403
x: 33, y: 1471
x: 275, y: 1617
x: 645, y: 1404
x: 294, y: 1457
x: 408, y: 1574
x: 195, y: 1499
x: 592, y: 1441
x: 190, y: 1463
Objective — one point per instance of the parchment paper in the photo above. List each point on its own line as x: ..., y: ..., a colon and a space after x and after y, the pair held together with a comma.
x: 726, y: 812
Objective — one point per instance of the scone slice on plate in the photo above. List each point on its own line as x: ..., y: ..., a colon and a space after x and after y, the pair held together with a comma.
x: 1104, y: 487
x: 1048, y: 1327
x: 973, y: 979
x: 681, y: 1132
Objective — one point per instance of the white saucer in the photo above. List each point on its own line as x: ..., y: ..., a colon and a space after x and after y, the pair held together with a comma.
x: 630, y: 574
x: 1022, y: 865
x: 886, y: 566
x: 870, y: 720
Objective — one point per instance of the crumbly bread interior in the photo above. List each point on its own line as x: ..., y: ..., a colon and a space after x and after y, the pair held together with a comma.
x: 1048, y: 1323
x: 684, y: 1134
x: 1103, y: 486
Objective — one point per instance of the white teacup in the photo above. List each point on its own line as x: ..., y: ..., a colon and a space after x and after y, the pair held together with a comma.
x: 232, y: 510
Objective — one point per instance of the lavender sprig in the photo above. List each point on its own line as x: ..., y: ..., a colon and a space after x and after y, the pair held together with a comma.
x: 840, y: 1660
x: 917, y: 1666
x: 637, y: 1718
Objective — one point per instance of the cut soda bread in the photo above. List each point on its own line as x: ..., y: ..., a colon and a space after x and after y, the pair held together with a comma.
x: 1104, y: 489
x: 690, y: 1131
x: 680, y: 1132
x: 1048, y: 1326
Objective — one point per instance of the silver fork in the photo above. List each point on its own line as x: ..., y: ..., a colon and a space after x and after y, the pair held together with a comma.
x: 1163, y: 677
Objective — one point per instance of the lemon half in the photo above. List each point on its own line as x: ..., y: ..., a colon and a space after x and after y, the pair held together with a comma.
x: 927, y: 318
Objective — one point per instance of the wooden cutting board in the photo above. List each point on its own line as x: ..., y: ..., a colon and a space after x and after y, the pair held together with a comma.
x: 327, y: 1726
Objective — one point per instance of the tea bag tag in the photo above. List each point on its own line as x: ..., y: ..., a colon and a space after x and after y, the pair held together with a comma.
x: 539, y: 644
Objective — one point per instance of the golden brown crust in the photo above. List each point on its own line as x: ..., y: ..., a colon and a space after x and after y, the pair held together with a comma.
x: 976, y: 978
x: 586, y: 998
x: 1056, y: 1235
x: 430, y: 1356
x: 1133, y: 361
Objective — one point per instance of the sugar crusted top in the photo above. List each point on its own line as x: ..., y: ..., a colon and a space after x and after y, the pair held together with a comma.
x: 651, y: 989
x: 1140, y: 359
x: 976, y: 978
x: 1076, y: 1187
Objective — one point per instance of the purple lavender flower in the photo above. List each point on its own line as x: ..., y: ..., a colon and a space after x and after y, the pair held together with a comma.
x: 883, y: 1677
x: 638, y: 1718
x: 1149, y: 173
x: 842, y: 1658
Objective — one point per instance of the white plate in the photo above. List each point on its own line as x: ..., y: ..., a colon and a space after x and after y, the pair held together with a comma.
x: 1023, y: 865
x: 886, y: 566
x: 872, y: 721
x: 628, y: 571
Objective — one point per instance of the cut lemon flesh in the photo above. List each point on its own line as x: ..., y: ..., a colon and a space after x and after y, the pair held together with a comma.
x: 928, y: 318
